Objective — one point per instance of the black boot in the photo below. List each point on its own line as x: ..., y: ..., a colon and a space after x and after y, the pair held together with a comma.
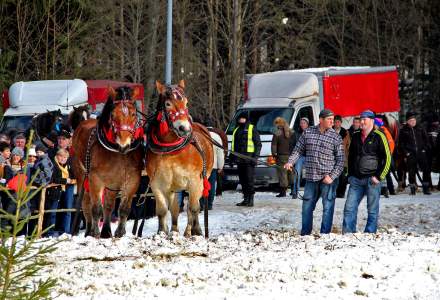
x: 282, y: 193
x: 426, y: 190
x: 413, y: 189
x: 250, y: 201
x: 245, y: 201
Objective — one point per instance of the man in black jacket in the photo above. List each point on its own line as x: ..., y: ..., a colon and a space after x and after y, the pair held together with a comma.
x: 414, y: 146
x: 246, y: 141
x: 369, y: 162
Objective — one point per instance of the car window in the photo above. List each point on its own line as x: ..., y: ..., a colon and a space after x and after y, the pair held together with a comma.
x: 263, y: 118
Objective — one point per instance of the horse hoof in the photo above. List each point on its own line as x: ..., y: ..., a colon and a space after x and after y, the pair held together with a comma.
x: 106, y: 234
x: 187, y: 233
x: 120, y: 232
x: 196, y: 231
x: 174, y: 228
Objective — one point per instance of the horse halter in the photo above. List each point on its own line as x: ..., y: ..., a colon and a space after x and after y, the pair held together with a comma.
x: 125, y: 110
x: 170, y: 116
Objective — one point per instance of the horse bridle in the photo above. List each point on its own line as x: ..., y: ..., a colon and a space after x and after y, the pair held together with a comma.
x: 172, y: 115
x: 130, y: 128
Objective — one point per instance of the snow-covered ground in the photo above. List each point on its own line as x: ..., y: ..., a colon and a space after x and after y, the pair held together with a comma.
x: 258, y: 253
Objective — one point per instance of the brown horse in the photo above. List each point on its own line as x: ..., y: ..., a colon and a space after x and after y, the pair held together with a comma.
x: 108, y: 160
x: 179, y: 157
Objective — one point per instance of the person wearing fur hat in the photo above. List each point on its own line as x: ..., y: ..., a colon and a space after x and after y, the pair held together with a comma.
x: 414, y: 146
x: 283, y: 142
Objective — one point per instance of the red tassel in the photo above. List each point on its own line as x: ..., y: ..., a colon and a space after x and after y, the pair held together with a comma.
x: 86, y: 185
x: 206, y: 187
x: 109, y: 135
x: 163, y: 128
x: 139, y: 133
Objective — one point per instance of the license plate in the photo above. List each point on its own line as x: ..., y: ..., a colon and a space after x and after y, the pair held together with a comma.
x: 232, y: 178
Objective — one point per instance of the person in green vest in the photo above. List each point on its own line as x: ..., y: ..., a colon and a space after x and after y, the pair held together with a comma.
x: 246, y: 141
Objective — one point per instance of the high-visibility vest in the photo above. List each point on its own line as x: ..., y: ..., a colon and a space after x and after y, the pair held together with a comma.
x: 250, y: 143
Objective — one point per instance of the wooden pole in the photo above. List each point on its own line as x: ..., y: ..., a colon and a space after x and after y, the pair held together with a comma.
x: 41, y: 212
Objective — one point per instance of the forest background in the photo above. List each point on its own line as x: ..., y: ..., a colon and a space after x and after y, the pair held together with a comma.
x: 217, y: 42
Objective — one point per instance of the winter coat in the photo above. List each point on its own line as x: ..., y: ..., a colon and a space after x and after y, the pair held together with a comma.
x: 282, y: 143
x: 413, y: 141
x: 44, y: 166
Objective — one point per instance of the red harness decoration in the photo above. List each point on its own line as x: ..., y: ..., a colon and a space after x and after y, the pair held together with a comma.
x: 86, y: 185
x: 109, y: 135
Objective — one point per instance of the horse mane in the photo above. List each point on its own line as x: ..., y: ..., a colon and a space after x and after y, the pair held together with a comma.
x: 43, y: 123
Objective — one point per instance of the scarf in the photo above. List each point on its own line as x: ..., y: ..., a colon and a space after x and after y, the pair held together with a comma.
x: 64, y: 173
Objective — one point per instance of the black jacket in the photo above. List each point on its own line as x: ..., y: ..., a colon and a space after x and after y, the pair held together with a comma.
x: 54, y: 193
x: 371, y: 158
x: 413, y: 141
x: 240, y: 140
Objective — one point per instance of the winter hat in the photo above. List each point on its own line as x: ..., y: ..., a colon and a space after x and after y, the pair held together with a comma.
x: 367, y: 114
x: 305, y: 119
x: 17, y: 151
x: 378, y: 122
x: 40, y: 147
x: 242, y: 114
x: 326, y: 113
x: 32, y: 152
x: 410, y: 115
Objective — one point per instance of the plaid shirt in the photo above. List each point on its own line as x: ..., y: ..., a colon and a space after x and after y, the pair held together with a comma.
x: 323, y: 152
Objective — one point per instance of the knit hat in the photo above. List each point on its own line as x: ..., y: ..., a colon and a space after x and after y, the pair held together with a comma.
x: 40, y: 147
x: 242, y: 114
x: 17, y: 151
x: 326, y: 113
x: 305, y: 119
x: 410, y: 115
x: 367, y: 114
x: 378, y: 122
x: 32, y: 152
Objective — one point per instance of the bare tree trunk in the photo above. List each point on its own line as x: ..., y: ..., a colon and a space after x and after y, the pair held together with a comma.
x: 235, y: 56
x: 122, y: 30
x: 150, y: 70
x: 54, y: 40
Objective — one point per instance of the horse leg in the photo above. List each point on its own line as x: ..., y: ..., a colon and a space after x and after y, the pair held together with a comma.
x: 96, y: 193
x: 161, y: 210
x: 124, y: 209
x: 193, y: 226
x: 109, y: 205
x: 87, y: 210
x: 175, y: 210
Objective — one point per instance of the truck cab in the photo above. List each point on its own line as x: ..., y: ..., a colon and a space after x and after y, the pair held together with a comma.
x: 295, y: 94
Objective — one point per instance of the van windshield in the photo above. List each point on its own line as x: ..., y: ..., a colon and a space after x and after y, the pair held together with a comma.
x: 262, y: 118
x: 20, y: 123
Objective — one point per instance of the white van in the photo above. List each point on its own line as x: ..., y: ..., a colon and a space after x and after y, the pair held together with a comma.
x: 25, y: 99
x: 295, y: 94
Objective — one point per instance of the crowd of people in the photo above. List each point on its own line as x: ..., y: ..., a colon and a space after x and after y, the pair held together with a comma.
x: 47, y: 165
x: 365, y: 156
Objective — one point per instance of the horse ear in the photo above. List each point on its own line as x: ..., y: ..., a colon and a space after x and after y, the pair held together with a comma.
x: 111, y: 92
x: 136, y: 92
x: 182, y: 84
x: 160, y: 87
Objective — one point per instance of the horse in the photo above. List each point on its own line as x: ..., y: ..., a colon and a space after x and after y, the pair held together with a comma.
x: 77, y: 115
x: 108, y: 158
x: 179, y: 157
x: 47, y: 125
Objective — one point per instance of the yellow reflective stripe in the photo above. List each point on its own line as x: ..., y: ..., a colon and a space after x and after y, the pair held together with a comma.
x: 387, y: 153
x: 250, y: 142
x: 233, y: 138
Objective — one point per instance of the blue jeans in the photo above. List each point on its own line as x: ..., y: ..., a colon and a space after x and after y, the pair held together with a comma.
x: 67, y: 202
x: 358, y: 189
x: 179, y: 196
x: 51, y: 204
x: 313, y: 190
x: 298, y: 168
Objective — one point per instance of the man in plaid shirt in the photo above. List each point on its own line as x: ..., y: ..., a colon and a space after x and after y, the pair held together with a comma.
x: 324, y: 162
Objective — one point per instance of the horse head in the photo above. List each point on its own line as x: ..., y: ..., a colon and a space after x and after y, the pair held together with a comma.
x: 173, y: 108
x: 119, y: 116
x: 78, y: 115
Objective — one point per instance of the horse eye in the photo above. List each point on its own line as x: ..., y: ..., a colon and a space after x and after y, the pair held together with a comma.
x: 168, y: 104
